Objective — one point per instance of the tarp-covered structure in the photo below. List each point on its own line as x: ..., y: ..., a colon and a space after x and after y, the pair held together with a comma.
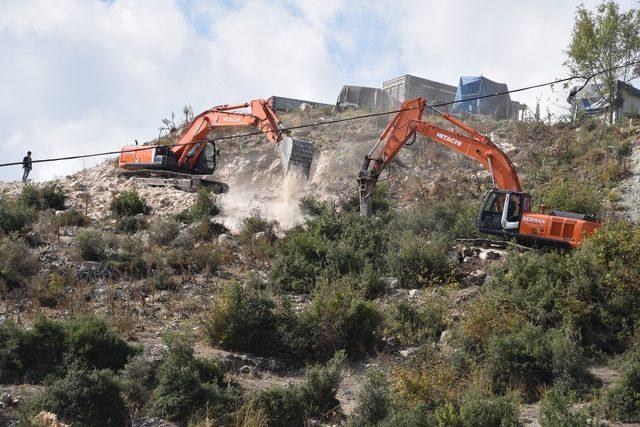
x: 358, y: 97
x: 469, y: 87
x: 591, y: 100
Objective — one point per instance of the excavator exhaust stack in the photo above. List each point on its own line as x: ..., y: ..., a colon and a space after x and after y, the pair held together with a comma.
x: 297, y: 155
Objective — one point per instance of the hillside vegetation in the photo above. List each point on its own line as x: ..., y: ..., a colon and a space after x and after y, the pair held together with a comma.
x: 136, y: 312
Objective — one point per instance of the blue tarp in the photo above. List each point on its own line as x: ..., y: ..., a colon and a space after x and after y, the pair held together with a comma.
x: 469, y: 87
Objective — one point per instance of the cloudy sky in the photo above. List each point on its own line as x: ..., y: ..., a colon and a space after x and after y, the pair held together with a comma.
x: 81, y: 76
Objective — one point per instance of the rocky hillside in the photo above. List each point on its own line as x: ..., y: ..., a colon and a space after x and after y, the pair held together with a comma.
x: 276, y: 304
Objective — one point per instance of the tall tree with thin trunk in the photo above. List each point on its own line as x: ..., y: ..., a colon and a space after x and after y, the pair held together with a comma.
x: 602, y: 39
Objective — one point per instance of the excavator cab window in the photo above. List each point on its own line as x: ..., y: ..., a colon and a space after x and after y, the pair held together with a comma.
x: 492, y: 207
x: 206, y: 163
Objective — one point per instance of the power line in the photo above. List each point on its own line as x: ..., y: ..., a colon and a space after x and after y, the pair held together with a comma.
x: 346, y: 119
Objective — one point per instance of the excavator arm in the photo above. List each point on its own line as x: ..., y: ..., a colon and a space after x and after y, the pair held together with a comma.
x: 404, y: 126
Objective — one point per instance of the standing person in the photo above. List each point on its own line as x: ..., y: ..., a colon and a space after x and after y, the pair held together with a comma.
x: 26, y: 166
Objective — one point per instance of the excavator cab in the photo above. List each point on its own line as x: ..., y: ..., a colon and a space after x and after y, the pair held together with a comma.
x: 206, y: 163
x: 502, y: 210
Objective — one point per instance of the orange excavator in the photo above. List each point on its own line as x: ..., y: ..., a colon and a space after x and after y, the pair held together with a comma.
x: 506, y: 209
x: 187, y: 163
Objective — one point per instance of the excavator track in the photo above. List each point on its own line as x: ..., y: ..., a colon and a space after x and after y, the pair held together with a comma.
x: 177, y: 180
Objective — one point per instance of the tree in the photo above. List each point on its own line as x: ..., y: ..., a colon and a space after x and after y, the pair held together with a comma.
x: 603, y: 39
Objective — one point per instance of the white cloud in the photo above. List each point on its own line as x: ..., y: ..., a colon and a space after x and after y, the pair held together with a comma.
x: 84, y: 76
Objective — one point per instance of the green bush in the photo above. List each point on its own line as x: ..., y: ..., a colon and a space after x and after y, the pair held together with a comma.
x: 299, y: 262
x: 337, y: 320
x: 371, y: 284
x: 206, y: 230
x: 373, y: 398
x: 573, y: 196
x: 138, y: 380
x: 52, y: 197
x: 49, y: 197
x: 84, y: 398
x: 412, y: 324
x: 207, y: 258
x: 17, y: 264
x: 130, y: 224
x: 321, y: 385
x: 129, y: 259
x: 454, y: 217
x: 311, y: 206
x: 242, y: 319
x: 622, y: 401
x: 556, y: 411
x: 90, y: 245
x: 282, y: 406
x: 522, y: 359
x: 418, y: 261
x: 72, y: 217
x: 162, y: 233
x: 14, y: 217
x: 128, y: 203
x: 205, y: 204
x: 315, y: 397
x: 186, y: 383
x: 478, y: 410
x: 94, y: 345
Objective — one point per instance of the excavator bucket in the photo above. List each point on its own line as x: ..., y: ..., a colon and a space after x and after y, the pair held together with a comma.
x: 297, y: 155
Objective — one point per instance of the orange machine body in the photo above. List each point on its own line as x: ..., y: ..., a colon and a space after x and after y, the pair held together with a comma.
x: 186, y: 154
x: 506, y: 209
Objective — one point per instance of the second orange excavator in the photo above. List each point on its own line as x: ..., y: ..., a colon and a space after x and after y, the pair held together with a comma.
x: 188, y: 163
x: 506, y: 210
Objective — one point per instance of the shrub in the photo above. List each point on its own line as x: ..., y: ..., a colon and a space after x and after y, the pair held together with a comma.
x: 257, y: 235
x: 130, y: 224
x: 49, y: 197
x: 242, y: 319
x: 29, y: 197
x: 128, y: 203
x: 522, y: 359
x: 411, y: 324
x: 163, y: 280
x: 14, y: 217
x: 573, y: 196
x: 90, y: 245
x: 556, y: 411
x: 129, y: 258
x: 299, y: 261
x: 311, y: 206
x: 371, y: 284
x: 72, y: 217
x: 207, y: 258
x: 415, y: 416
x: 338, y: 320
x: 418, y: 261
x: 453, y: 217
x: 162, y: 233
x: 17, y: 264
x: 478, y: 410
x: 622, y: 402
x: 321, y: 385
x: 186, y: 383
x: 139, y: 379
x: 52, y: 197
x: 94, y: 345
x: 11, y: 365
x: 373, y: 398
x: 432, y: 379
x: 83, y: 397
x: 282, y: 406
x: 205, y: 230
x: 316, y: 396
x: 205, y: 204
